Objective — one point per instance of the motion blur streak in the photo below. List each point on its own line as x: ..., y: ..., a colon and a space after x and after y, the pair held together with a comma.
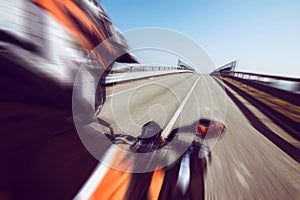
x: 42, y: 46
x: 76, y: 21
x: 114, y: 184
x: 156, y: 184
x: 184, y: 174
x: 84, y: 27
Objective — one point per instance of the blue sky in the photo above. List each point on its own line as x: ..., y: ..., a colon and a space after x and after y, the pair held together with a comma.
x: 264, y: 35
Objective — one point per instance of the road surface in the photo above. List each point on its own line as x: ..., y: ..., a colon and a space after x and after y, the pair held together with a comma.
x: 244, y: 164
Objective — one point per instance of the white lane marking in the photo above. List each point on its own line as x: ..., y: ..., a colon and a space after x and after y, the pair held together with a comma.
x: 124, y: 91
x: 245, y: 170
x: 171, y: 123
x: 241, y: 178
x: 91, y: 184
x: 183, y: 180
x: 206, y: 108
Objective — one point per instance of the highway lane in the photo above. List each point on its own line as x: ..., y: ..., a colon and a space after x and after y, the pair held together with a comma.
x: 244, y: 164
x: 158, y: 99
x: 129, y: 106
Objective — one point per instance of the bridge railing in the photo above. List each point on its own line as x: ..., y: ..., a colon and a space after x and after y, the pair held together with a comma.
x: 279, y: 82
x: 129, y: 76
x: 284, y: 113
x: 253, y: 76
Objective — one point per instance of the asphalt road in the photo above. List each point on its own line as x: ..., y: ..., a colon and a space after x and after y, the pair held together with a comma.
x: 244, y: 164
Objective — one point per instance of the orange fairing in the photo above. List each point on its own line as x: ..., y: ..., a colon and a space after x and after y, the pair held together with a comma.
x: 113, y: 186
x: 76, y: 22
x: 156, y: 184
x: 115, y: 183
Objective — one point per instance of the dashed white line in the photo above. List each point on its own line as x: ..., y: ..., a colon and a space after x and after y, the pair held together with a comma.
x: 171, y: 123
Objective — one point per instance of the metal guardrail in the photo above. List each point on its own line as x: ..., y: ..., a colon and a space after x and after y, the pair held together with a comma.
x: 128, y: 76
x: 280, y: 118
x: 254, y: 76
x: 279, y: 82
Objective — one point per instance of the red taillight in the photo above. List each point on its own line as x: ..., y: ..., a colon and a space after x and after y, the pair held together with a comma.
x: 211, y: 128
x: 202, y: 130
